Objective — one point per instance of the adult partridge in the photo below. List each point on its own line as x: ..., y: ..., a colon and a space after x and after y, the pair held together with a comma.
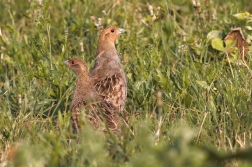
x: 107, y: 74
x: 96, y: 110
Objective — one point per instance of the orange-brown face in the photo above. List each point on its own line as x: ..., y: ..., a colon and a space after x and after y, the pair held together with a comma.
x: 77, y: 65
x: 110, y: 34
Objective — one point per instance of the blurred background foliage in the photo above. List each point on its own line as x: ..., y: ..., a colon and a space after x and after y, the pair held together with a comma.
x: 202, y: 118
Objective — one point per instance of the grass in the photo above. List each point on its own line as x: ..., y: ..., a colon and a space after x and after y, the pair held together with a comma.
x: 201, y: 118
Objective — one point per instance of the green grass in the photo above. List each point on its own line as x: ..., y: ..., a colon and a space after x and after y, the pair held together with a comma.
x: 203, y: 117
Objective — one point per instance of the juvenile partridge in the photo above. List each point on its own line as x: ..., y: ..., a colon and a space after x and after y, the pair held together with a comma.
x: 107, y: 74
x: 96, y: 110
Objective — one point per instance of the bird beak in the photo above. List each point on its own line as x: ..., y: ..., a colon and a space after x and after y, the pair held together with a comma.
x: 121, y: 30
x: 66, y: 62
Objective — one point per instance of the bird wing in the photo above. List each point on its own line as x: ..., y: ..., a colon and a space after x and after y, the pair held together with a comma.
x: 111, y: 85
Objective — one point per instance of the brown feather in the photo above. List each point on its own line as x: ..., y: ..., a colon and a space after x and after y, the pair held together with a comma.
x: 96, y: 110
x: 108, y: 75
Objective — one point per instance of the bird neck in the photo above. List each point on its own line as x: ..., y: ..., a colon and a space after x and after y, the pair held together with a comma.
x: 105, y: 46
x: 84, y: 86
x: 83, y: 79
x: 84, y: 90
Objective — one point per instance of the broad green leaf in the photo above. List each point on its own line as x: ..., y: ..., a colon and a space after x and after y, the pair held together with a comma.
x: 249, y: 28
x: 243, y: 16
x: 229, y: 43
x: 217, y: 44
x: 214, y: 34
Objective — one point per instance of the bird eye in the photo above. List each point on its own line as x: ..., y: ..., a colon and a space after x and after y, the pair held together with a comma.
x: 72, y: 62
x: 112, y: 30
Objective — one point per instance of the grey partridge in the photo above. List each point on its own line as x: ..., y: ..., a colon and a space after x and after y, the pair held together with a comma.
x: 107, y: 74
x: 96, y: 110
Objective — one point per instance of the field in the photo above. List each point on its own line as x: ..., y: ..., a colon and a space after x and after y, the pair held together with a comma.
x: 189, y: 99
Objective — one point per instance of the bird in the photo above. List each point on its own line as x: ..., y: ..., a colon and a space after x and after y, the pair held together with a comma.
x: 107, y: 74
x: 96, y: 110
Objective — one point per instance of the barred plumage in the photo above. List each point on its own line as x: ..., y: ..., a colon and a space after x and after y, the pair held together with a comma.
x: 108, y: 75
x: 96, y: 110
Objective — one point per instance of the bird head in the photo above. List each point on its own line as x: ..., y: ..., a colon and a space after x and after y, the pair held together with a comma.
x: 77, y: 65
x: 110, y: 34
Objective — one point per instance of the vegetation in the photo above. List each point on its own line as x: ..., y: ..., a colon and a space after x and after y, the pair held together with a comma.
x: 188, y: 104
